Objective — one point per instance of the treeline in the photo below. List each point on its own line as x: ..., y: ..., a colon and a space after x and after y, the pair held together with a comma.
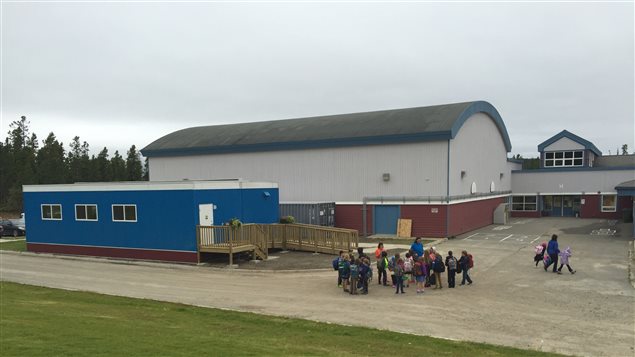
x: 24, y: 162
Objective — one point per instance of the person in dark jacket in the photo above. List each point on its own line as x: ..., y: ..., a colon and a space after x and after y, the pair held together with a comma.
x: 451, y: 263
x: 553, y: 251
x: 464, y: 262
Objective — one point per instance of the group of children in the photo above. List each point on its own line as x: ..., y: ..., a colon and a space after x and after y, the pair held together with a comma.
x: 549, y: 253
x: 421, y: 267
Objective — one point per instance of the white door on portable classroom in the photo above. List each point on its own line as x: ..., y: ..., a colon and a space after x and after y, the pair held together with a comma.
x: 206, y: 214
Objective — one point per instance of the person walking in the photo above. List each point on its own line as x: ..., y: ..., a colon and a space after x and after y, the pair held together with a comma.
x: 564, y: 260
x: 465, y: 263
x: 553, y: 251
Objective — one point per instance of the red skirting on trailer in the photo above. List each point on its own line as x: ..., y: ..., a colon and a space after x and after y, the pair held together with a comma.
x: 142, y: 254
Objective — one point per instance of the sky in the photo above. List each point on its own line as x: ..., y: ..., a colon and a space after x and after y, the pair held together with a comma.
x: 117, y: 74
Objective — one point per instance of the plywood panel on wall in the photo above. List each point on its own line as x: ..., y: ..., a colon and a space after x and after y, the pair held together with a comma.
x: 404, y: 228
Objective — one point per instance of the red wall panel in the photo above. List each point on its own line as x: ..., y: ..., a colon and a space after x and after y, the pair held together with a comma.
x: 592, y: 207
x: 145, y: 254
x: 350, y: 216
x: 525, y: 214
x: 426, y: 222
x: 465, y: 217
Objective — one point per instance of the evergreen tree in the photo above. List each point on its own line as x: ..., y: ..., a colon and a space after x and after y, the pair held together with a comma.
x: 625, y: 149
x: 20, y: 155
x: 51, y: 162
x: 118, y: 168
x: 146, y: 170
x: 79, y: 161
x: 134, y: 171
x: 102, y: 168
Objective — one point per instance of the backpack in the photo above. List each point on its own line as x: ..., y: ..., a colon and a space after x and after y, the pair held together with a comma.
x: 391, y: 264
x: 439, y: 267
x: 419, y: 269
x: 452, y: 263
x: 539, y: 249
x: 336, y: 263
x: 398, y: 270
x: 407, y: 266
x: 470, y: 261
x: 354, y: 271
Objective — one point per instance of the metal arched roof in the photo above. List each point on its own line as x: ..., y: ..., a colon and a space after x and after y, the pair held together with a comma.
x: 433, y: 123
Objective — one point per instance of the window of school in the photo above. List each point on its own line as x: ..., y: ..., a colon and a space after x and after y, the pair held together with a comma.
x: 124, y: 213
x: 564, y: 159
x: 51, y: 212
x: 609, y: 203
x: 524, y: 203
x: 85, y: 212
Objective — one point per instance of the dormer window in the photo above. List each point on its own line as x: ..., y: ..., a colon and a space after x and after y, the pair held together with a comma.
x: 564, y: 158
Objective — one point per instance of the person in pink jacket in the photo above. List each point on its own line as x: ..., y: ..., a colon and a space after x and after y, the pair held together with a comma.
x: 564, y: 260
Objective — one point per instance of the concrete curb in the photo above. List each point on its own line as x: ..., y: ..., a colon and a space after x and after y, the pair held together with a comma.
x: 631, y: 263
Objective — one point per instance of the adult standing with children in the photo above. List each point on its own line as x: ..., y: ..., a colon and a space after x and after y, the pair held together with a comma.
x: 466, y: 263
x: 553, y: 251
x: 417, y: 247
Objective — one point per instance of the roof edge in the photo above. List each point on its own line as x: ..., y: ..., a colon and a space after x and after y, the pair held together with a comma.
x: 482, y: 106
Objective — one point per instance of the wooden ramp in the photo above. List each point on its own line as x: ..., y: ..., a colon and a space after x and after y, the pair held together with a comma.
x: 258, y: 238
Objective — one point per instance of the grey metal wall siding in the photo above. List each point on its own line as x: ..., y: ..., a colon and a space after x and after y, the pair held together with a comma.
x: 569, y: 182
x: 480, y: 151
x: 321, y: 214
x: 323, y: 175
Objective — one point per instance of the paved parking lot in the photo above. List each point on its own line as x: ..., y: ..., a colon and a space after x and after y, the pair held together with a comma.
x: 511, y: 302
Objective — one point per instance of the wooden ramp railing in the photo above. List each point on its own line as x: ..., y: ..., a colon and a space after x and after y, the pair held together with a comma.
x: 258, y: 238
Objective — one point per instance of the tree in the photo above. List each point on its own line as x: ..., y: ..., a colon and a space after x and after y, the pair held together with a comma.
x: 79, y: 161
x: 19, y: 156
x: 51, y: 162
x: 134, y: 171
x: 102, y: 167
x: 146, y: 170
x: 118, y: 168
x: 625, y: 149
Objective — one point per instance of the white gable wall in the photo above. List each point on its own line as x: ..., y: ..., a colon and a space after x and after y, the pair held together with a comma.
x: 564, y: 144
x: 479, y: 150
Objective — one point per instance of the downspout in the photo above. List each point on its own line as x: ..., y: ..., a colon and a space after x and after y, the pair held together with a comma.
x: 447, y: 208
x: 364, y: 210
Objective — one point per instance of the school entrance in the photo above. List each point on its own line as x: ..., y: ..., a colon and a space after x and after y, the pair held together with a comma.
x: 561, y: 205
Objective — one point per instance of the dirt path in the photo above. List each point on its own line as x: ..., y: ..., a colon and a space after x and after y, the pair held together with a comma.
x: 511, y: 302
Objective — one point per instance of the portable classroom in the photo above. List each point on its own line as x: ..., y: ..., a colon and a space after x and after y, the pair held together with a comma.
x: 140, y: 220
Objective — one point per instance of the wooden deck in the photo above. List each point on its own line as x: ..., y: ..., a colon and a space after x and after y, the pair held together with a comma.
x: 259, y: 238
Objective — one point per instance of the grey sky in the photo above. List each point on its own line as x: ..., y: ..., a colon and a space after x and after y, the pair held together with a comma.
x: 122, y: 74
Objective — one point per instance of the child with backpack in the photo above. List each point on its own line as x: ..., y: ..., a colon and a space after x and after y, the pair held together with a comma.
x: 420, y: 273
x: 540, y: 252
x: 398, y: 271
x: 391, y: 267
x: 439, y: 268
x: 451, y: 263
x: 365, y: 275
x: 466, y: 262
x: 382, y: 265
x: 354, y: 275
x: 408, y: 264
x: 345, y: 271
x: 564, y: 260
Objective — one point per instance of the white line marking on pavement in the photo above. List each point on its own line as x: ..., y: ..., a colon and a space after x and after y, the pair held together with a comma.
x: 538, y: 237
x: 470, y: 236
x: 509, y: 236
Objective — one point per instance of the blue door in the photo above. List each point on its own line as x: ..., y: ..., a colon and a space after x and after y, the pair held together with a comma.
x: 385, y: 219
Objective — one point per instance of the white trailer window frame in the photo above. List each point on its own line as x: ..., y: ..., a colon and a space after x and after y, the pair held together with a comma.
x: 86, y: 211
x: 48, y: 208
x: 125, y: 213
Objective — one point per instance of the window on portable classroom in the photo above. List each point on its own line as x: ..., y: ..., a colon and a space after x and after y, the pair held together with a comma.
x: 51, y: 212
x: 124, y: 213
x: 86, y: 212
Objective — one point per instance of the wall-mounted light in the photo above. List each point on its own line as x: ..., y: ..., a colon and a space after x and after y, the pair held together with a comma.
x: 501, y: 175
x: 463, y: 174
x: 386, y: 177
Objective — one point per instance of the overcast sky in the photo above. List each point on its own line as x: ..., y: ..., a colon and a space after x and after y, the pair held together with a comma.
x: 121, y: 74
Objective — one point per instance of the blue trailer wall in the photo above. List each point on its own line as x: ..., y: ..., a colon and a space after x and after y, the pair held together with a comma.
x: 166, y: 219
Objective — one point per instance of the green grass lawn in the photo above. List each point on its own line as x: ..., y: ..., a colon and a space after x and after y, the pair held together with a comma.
x: 38, y: 321
x: 19, y: 246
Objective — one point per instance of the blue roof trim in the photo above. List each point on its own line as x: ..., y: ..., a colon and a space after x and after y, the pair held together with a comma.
x: 294, y: 145
x: 566, y: 134
x: 575, y: 169
x: 486, y: 108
